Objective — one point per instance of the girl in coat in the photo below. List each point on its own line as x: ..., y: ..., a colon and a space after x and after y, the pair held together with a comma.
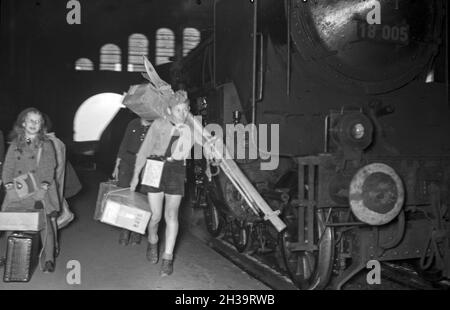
x: 32, y: 153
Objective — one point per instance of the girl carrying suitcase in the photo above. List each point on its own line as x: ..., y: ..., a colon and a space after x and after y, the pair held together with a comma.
x: 28, y: 176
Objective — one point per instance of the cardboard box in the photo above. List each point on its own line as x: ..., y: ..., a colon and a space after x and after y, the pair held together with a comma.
x: 22, y: 221
x: 103, y: 189
x: 125, y: 209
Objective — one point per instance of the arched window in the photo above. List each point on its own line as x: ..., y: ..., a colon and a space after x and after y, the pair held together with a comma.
x: 84, y: 64
x: 165, y: 45
x: 137, y: 46
x: 94, y: 115
x: 430, y: 77
x: 191, y: 38
x: 110, y: 58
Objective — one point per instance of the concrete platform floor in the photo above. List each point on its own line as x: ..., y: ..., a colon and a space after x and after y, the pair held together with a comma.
x: 107, y: 265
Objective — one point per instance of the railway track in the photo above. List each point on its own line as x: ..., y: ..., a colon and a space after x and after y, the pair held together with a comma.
x: 393, y: 276
x: 253, y: 266
x: 263, y: 267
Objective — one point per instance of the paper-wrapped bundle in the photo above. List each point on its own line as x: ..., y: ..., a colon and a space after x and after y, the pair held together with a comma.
x: 147, y: 101
x: 150, y: 101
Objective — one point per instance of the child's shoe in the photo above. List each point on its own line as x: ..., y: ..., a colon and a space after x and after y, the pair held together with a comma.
x: 166, y: 267
x: 124, y: 237
x: 135, y: 238
x: 152, y: 253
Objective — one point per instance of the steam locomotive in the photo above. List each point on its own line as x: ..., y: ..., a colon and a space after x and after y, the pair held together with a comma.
x: 364, y: 149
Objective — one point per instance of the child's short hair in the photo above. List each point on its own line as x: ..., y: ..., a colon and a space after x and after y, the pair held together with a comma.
x: 179, y: 97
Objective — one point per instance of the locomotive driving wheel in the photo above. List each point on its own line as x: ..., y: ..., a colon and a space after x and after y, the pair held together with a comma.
x: 307, y: 269
x: 196, y: 192
x: 213, y: 220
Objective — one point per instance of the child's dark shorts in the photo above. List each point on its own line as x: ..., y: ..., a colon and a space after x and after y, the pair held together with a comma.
x: 172, y: 179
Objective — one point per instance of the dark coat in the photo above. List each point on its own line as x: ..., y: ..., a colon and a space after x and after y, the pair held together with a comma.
x: 131, y: 142
x: 72, y: 184
x: 24, y: 160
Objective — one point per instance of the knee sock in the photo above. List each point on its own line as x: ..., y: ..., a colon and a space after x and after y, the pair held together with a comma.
x: 153, y: 245
x: 167, y: 256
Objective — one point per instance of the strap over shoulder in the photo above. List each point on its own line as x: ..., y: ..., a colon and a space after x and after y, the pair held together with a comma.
x: 39, y: 154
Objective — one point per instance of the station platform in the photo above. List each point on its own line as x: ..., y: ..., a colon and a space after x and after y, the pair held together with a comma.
x: 106, y: 265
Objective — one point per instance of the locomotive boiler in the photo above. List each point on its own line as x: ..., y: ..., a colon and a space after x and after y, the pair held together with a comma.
x: 358, y: 89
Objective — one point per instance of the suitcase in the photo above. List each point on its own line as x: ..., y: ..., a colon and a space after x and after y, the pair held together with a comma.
x: 22, y: 221
x: 128, y: 210
x: 22, y: 256
x: 103, y: 189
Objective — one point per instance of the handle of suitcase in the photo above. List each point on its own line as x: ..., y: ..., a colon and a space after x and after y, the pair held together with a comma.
x: 55, y: 234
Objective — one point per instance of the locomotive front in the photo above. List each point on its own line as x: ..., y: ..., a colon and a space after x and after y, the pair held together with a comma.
x: 370, y: 195
x: 357, y: 89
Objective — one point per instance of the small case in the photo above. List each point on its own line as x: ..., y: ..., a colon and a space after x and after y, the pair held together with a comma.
x: 22, y: 256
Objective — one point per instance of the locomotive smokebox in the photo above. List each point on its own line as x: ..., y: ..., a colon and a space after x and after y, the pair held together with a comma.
x: 376, y: 194
x: 373, y: 45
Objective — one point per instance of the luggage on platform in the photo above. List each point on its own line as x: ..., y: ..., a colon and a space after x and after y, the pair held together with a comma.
x: 22, y: 256
x: 22, y: 221
x: 103, y: 189
x: 122, y: 208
